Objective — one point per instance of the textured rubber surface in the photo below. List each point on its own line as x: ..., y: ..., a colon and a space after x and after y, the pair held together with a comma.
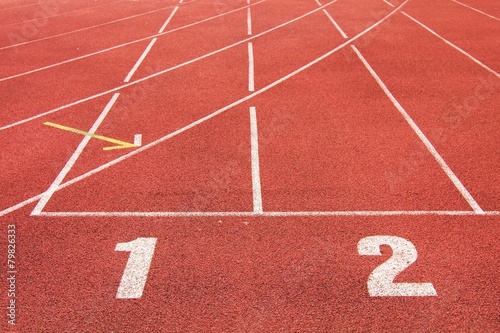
x: 278, y: 137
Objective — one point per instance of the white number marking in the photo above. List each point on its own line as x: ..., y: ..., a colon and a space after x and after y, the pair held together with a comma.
x: 136, y: 272
x: 380, y: 281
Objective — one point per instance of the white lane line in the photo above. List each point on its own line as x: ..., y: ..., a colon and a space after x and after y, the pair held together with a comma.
x: 335, y: 24
x: 451, y: 175
x: 251, y: 83
x: 319, y: 3
x: 213, y: 114
x: 62, y: 14
x: 88, y: 28
x: 69, y: 164
x: 140, y: 60
x: 227, y: 107
x: 477, y: 10
x: 21, y: 204
x: 387, y: 2
x: 249, y: 22
x: 164, y: 26
x: 452, y: 45
x: 269, y: 214
x: 125, y: 44
x: 103, y: 93
x: 254, y: 148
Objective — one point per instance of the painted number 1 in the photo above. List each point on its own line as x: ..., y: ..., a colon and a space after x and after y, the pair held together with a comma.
x: 136, y: 272
x: 380, y: 281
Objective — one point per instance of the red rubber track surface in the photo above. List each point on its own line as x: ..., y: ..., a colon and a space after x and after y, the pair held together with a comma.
x: 276, y: 135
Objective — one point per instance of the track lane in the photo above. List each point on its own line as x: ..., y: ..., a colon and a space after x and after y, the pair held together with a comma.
x: 184, y: 45
x: 25, y: 96
x: 253, y: 273
x: 355, y: 21
x: 17, y: 38
x: 79, y: 56
x: 359, y: 142
x: 161, y: 72
x: 207, y: 169
x: 473, y: 33
x: 259, y: 274
x: 490, y: 7
x: 39, y: 152
x: 271, y: 13
x: 455, y: 106
x: 169, y: 103
x: 196, y: 123
x: 45, y: 53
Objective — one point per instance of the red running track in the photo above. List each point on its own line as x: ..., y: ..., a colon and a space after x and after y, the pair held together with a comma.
x: 283, y: 145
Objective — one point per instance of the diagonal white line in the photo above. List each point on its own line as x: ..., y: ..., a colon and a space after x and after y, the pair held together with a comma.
x: 228, y: 107
x: 164, y: 26
x: 176, y: 67
x: 214, y: 114
x: 451, y: 175
x: 335, y: 24
x: 452, y: 45
x: 87, y: 28
x: 387, y: 2
x: 60, y: 177
x: 126, y: 44
x: 477, y: 10
x: 140, y: 60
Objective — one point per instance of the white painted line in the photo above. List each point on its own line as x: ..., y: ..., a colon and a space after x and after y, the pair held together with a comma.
x: 477, y: 10
x: 126, y: 44
x: 69, y: 164
x: 227, y: 107
x: 139, y: 61
x: 147, y: 77
x: 452, y: 45
x: 451, y: 175
x: 387, y: 2
x: 21, y: 205
x: 164, y: 26
x: 138, y: 140
x: 215, y: 113
x: 319, y: 3
x: 86, y: 28
x: 248, y: 2
x: 249, y: 22
x: 268, y: 214
x: 251, y: 82
x: 254, y: 148
x: 335, y: 24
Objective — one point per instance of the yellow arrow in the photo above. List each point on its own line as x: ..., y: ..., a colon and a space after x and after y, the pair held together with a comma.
x: 120, y: 144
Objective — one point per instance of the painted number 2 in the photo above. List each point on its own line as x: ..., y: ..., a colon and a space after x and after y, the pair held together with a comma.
x: 380, y: 281
x: 137, y: 268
